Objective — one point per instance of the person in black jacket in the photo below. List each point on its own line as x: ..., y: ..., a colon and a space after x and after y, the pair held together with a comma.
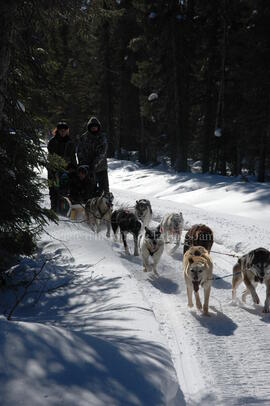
x: 57, y: 145
x: 91, y: 150
x: 82, y: 185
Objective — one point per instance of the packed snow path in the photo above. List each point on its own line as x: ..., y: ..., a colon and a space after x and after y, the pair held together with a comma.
x: 222, y: 359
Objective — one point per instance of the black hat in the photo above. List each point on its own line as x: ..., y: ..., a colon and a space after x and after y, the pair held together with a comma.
x: 93, y: 122
x: 62, y: 125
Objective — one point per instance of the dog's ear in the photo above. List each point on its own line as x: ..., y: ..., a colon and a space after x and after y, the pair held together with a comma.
x: 100, y: 198
x: 190, y: 260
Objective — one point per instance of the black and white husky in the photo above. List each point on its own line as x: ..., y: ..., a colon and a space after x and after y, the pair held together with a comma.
x: 171, y: 227
x: 143, y: 211
x: 151, y: 245
x: 127, y: 222
x: 252, y: 268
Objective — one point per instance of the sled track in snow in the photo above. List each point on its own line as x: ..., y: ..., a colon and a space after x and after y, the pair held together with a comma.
x: 219, y: 360
x: 222, y: 359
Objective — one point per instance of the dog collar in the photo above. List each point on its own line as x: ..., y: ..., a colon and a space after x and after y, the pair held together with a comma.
x: 258, y: 279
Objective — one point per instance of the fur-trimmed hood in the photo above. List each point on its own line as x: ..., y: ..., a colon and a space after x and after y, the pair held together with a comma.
x: 93, y: 122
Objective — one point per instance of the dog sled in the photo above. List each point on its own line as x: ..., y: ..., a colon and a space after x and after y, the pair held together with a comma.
x: 75, y: 188
x: 69, y: 209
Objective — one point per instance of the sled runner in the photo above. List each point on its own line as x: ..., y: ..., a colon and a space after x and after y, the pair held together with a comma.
x: 67, y: 209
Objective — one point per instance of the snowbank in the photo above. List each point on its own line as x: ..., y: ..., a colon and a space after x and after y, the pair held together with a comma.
x: 214, y: 193
x: 84, y: 334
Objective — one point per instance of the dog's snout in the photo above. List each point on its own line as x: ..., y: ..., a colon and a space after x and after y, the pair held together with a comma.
x: 261, y: 277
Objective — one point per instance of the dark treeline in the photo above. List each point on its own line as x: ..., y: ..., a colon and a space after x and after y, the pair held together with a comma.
x: 178, y: 80
x: 166, y: 78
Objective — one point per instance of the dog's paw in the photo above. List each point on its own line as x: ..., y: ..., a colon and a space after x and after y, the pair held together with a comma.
x: 205, y: 311
x: 256, y: 299
x: 266, y: 309
x: 206, y: 314
x: 234, y: 302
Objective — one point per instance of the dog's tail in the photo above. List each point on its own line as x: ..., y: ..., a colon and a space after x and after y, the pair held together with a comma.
x: 114, y: 223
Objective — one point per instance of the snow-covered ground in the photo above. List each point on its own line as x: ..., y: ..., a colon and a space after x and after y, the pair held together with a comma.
x: 95, y: 330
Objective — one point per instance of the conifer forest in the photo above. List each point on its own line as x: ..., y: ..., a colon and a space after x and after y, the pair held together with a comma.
x: 172, y: 82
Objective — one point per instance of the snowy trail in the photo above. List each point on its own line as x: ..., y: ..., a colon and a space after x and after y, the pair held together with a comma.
x: 115, y: 335
x: 222, y: 359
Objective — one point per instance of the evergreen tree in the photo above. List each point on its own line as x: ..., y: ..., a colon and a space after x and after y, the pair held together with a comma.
x: 22, y: 216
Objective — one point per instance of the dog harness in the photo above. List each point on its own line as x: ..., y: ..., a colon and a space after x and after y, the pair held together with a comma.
x: 94, y: 204
x: 150, y: 250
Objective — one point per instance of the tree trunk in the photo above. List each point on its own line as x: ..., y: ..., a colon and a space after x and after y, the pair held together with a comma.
x: 236, y: 169
x: 109, y: 96
x: 180, y: 147
x: 142, y: 146
x: 262, y: 157
x: 209, y: 122
x: 7, y: 17
x: 181, y: 45
x: 108, y: 89
x: 220, y: 111
x: 120, y: 136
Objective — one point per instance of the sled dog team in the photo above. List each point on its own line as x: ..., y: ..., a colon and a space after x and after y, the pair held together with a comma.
x: 149, y: 242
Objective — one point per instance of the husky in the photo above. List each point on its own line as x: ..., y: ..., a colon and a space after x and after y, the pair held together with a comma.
x: 201, y: 235
x: 252, y: 268
x: 98, y: 211
x: 143, y: 211
x: 171, y: 227
x: 127, y: 222
x: 151, y: 244
x: 198, y: 271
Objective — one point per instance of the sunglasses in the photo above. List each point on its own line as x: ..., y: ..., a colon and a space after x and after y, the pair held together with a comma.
x: 62, y: 127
